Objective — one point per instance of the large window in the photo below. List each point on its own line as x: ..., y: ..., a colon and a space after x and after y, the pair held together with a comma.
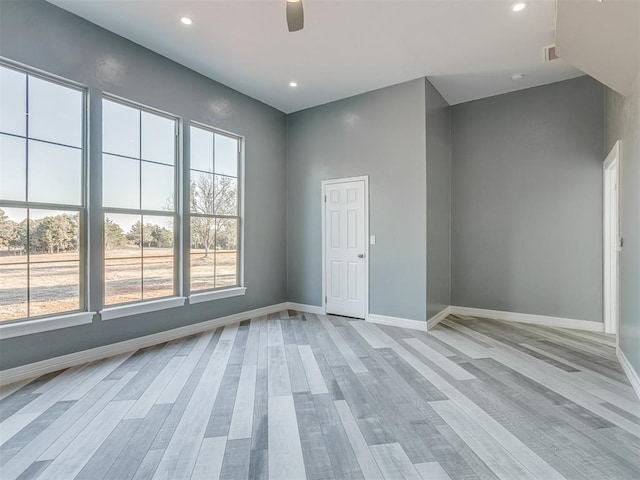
x: 41, y: 196
x: 139, y: 200
x: 214, y: 205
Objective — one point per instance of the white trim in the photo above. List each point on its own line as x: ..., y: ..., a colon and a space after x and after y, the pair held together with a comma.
x: 632, y: 375
x: 438, y: 317
x: 300, y: 307
x: 544, y: 320
x: 333, y: 181
x: 36, y: 369
x: 217, y: 294
x: 29, y: 327
x: 611, y: 239
x: 613, y: 155
x: 112, y: 313
x: 398, y: 322
x: 241, y: 200
x: 324, y: 183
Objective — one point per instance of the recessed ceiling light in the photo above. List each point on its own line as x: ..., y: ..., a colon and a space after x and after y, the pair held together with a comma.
x: 518, y: 7
x: 517, y: 76
x: 186, y: 20
x: 293, y: 84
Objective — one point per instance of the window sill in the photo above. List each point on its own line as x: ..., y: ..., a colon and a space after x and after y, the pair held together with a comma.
x: 28, y: 327
x: 112, y: 313
x: 217, y: 294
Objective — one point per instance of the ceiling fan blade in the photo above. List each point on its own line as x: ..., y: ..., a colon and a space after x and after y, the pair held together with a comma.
x: 295, y: 15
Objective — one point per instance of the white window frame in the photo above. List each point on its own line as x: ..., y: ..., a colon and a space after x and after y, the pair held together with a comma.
x: 199, y: 296
x: 114, y: 311
x: 40, y: 323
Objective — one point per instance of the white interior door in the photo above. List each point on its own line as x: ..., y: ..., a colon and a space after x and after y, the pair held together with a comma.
x: 345, y: 248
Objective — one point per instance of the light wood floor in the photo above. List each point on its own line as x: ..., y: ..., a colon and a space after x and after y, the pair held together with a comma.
x: 297, y: 396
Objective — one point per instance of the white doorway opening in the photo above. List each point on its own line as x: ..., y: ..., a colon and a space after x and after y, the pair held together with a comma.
x: 345, y: 246
x: 612, y: 241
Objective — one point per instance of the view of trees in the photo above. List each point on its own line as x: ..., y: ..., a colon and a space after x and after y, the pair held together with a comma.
x: 151, y: 235
x: 12, y: 235
x: 219, y: 197
x: 51, y: 234
x: 114, y: 236
x: 59, y: 234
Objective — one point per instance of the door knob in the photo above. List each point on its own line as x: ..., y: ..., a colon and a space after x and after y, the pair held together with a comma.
x: 361, y: 255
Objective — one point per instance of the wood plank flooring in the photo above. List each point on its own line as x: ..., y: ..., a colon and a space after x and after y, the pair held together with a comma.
x: 295, y: 395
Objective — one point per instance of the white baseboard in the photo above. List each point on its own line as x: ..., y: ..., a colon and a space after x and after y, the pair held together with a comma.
x: 300, y: 307
x: 632, y: 375
x: 438, y: 317
x: 397, y: 322
x: 36, y: 369
x: 544, y: 320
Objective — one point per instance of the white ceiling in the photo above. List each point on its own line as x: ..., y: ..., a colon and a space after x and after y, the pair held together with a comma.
x: 468, y: 48
x: 602, y: 39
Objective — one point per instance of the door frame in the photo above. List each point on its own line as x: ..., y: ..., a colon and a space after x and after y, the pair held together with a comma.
x: 323, y: 184
x: 611, y: 270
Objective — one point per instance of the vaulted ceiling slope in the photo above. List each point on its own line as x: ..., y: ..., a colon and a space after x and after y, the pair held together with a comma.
x: 468, y: 48
x: 603, y: 39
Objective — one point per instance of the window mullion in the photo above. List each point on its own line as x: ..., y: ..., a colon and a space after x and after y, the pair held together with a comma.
x: 26, y: 166
x: 95, y: 216
x: 140, y: 206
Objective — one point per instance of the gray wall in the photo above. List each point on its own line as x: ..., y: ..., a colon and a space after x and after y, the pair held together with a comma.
x: 527, y: 201
x: 43, y: 36
x: 623, y: 123
x: 438, y: 201
x: 380, y: 134
x: 523, y: 164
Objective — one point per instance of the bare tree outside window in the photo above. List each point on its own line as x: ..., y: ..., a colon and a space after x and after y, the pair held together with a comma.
x: 214, y: 210
x: 205, y: 195
x: 42, y: 212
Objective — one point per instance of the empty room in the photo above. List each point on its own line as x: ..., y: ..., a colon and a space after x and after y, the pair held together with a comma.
x: 320, y: 239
